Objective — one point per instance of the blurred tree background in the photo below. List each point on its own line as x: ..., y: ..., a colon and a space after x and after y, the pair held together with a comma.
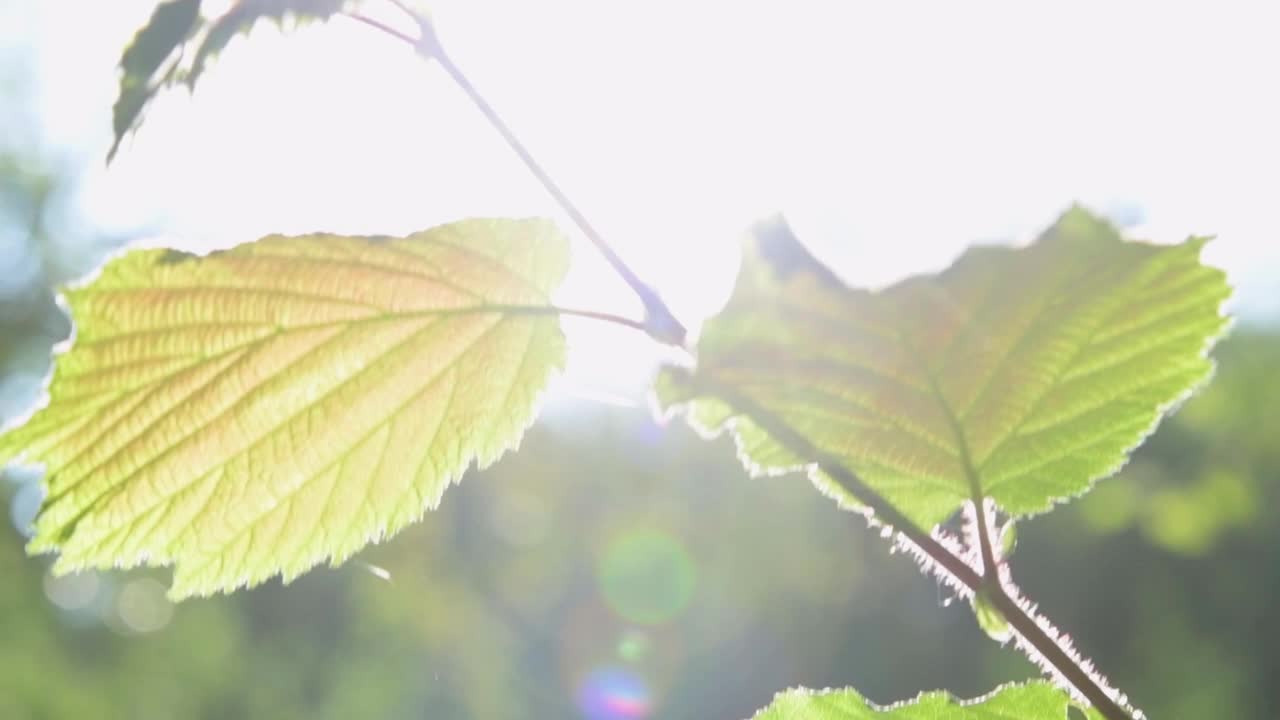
x: 615, y: 568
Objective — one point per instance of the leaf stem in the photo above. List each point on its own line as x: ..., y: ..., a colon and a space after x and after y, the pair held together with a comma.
x: 539, y: 310
x: 601, y: 316
x: 381, y: 26
x: 885, y: 513
x: 990, y: 571
x: 660, y: 323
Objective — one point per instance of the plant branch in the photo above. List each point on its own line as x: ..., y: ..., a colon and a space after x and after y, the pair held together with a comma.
x: 405, y: 8
x: 885, y: 513
x: 660, y: 323
x: 381, y: 26
x: 601, y: 316
x: 540, y: 310
x: 990, y: 570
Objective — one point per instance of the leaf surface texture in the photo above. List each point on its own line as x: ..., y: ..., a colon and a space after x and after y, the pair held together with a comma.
x: 177, y: 43
x: 1020, y: 374
x: 259, y: 410
x: 1032, y: 701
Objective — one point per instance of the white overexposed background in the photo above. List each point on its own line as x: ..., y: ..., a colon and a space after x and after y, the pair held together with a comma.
x: 891, y: 134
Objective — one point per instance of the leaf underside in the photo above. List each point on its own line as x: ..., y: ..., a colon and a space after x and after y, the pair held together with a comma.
x: 1032, y: 701
x: 1023, y: 375
x: 245, y: 14
x: 176, y: 45
x: 262, y: 409
x: 169, y: 27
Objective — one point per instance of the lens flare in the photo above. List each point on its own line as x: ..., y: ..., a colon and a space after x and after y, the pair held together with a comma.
x: 633, y: 646
x: 614, y: 694
x: 72, y: 592
x: 646, y: 576
x: 142, y: 606
x: 24, y: 507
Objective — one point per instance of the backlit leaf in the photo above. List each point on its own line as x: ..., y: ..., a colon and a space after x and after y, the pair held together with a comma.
x: 989, y: 617
x: 1032, y: 701
x: 161, y: 54
x: 1023, y: 375
x: 169, y: 28
x: 259, y: 410
x: 242, y: 17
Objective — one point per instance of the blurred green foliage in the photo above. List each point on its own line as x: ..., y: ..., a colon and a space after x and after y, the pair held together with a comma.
x: 1219, y: 454
x: 518, y: 598
x: 1168, y: 573
x: 615, y: 568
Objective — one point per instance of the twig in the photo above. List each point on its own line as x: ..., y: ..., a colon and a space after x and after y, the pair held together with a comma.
x: 660, y: 323
x: 537, y: 310
x: 886, y: 514
x: 383, y: 27
x: 601, y: 316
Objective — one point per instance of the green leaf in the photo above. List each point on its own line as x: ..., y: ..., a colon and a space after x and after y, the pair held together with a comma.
x: 245, y: 14
x: 259, y: 410
x: 989, y: 617
x: 171, y: 24
x: 174, y: 27
x: 1008, y: 538
x: 1032, y: 701
x: 1023, y: 375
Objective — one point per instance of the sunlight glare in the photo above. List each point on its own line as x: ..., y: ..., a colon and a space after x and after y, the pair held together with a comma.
x: 674, y: 126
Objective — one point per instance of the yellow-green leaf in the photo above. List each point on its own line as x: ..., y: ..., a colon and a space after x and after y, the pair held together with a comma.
x: 1032, y: 701
x: 1023, y: 374
x: 989, y: 617
x: 244, y: 15
x: 177, y: 44
x: 259, y: 410
x: 169, y: 28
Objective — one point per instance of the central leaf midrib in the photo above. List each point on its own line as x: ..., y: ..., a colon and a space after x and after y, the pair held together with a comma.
x: 920, y: 433
x: 257, y: 342
x: 962, y: 442
x: 953, y: 422
x: 411, y: 339
x: 532, y: 310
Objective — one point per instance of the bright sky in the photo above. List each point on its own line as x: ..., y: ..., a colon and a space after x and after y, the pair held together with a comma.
x: 892, y: 134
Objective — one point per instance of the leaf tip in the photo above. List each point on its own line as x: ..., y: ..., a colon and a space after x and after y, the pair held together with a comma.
x: 773, y: 242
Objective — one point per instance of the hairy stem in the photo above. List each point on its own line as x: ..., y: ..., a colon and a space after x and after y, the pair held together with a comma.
x: 662, y: 325
x: 989, y: 567
x: 947, y: 564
